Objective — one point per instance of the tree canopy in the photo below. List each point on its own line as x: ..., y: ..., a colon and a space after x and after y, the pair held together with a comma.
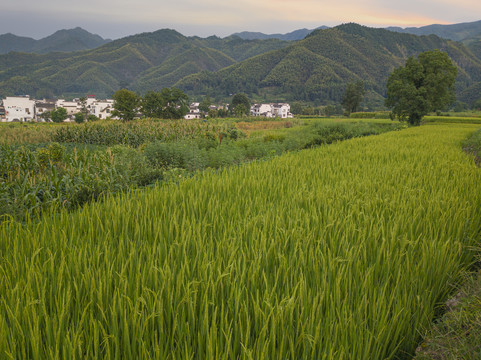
x: 240, y: 104
x: 353, y: 96
x: 58, y: 115
x: 126, y: 104
x: 420, y: 86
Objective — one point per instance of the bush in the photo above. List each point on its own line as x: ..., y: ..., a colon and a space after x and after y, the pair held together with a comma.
x: 185, y: 155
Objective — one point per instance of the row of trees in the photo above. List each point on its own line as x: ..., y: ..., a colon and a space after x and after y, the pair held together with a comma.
x: 169, y: 103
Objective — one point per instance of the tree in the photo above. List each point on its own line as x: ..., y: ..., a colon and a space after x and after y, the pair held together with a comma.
x: 353, y: 96
x: 46, y: 115
x: 476, y: 105
x: 126, y: 104
x: 296, y: 108
x: 58, y: 115
x: 420, y: 86
x: 79, y: 117
x: 205, y: 104
x: 83, y: 105
x: 240, y: 110
x: 240, y: 99
x: 153, y: 104
x: 175, y: 101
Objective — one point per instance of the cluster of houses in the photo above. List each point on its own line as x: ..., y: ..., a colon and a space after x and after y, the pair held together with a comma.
x: 280, y: 110
x: 22, y: 108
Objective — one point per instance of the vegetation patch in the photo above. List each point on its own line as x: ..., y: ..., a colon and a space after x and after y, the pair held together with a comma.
x: 472, y: 145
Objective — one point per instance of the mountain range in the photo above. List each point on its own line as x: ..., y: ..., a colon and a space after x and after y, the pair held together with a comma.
x: 465, y: 32
x: 62, y: 40
x: 291, y: 36
x: 316, y: 68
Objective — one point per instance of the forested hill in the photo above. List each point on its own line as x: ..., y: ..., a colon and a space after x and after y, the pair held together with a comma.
x: 62, y: 40
x: 147, y: 61
x: 318, y: 67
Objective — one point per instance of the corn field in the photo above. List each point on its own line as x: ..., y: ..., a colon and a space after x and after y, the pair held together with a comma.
x: 340, y: 252
x: 136, y: 133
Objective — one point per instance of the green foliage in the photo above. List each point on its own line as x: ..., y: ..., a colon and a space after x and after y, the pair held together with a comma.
x: 168, y: 104
x: 371, y: 115
x: 152, y: 105
x: 126, y: 104
x: 353, y: 96
x: 175, y: 101
x: 472, y: 145
x: 58, y: 115
x: 79, y: 117
x: 240, y: 104
x: 205, y: 103
x: 36, y: 181
x: 92, y: 117
x: 135, y: 133
x: 420, y: 86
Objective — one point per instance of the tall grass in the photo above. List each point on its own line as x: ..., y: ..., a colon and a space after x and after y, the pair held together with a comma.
x: 339, y: 252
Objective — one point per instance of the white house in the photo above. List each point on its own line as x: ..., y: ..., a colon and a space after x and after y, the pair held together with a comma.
x: 264, y: 110
x: 281, y: 110
x: 72, y: 107
x: 43, y: 106
x: 102, y: 108
x: 192, y: 115
x: 19, y: 108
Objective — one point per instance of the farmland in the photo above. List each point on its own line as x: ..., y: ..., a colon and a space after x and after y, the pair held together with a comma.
x: 65, y: 166
x: 343, y: 251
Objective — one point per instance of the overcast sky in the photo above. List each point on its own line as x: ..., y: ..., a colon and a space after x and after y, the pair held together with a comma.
x: 115, y: 19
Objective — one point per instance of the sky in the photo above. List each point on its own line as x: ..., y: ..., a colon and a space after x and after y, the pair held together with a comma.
x: 119, y: 18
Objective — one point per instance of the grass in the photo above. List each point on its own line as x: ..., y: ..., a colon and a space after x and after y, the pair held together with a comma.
x: 338, y: 252
x: 457, y: 334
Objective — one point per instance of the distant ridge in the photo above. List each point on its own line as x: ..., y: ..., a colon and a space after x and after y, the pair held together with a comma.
x: 62, y: 41
x: 457, y: 32
x: 292, y: 36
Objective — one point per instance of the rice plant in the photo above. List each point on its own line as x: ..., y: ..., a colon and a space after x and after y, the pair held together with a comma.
x: 338, y: 252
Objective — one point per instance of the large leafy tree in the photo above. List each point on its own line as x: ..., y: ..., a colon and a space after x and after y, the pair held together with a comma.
x: 240, y: 104
x: 153, y: 104
x: 353, y: 96
x: 170, y: 103
x: 422, y: 85
x: 175, y: 103
x: 58, y: 115
x: 126, y: 104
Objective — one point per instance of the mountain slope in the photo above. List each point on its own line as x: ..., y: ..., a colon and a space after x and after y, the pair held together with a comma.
x: 147, y: 61
x: 62, y: 40
x: 318, y: 67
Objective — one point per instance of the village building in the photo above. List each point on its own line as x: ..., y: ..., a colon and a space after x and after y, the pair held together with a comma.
x: 281, y: 110
x: 42, y: 106
x: 101, y: 108
x: 19, y: 108
x: 72, y: 107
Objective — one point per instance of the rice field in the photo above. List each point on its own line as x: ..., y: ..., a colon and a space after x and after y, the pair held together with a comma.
x: 339, y: 252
